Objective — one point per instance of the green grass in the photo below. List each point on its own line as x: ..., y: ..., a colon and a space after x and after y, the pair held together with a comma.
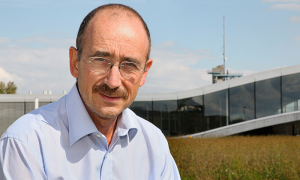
x: 237, y: 157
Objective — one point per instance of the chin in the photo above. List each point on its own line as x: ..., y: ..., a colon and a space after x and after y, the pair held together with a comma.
x: 107, y: 112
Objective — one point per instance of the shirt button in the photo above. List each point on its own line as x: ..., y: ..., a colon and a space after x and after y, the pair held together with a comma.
x: 98, y: 135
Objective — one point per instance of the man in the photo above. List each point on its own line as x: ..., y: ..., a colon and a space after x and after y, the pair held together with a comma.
x: 90, y: 133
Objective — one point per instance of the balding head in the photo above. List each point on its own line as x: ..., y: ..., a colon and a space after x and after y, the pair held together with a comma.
x: 115, y: 12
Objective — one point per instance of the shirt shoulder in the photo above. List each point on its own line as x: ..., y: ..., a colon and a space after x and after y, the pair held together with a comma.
x: 150, y: 139
x: 149, y: 130
x: 35, y: 121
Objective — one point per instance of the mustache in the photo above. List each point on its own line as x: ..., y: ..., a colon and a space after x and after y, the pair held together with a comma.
x: 107, y: 91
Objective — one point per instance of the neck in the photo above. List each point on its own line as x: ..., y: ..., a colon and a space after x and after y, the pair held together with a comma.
x: 106, y: 126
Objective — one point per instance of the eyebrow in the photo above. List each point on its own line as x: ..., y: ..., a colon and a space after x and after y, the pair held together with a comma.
x: 129, y: 59
x: 101, y: 54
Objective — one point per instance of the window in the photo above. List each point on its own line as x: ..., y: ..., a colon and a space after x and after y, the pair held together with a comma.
x: 9, y: 113
x: 142, y: 109
x: 216, y: 109
x: 191, y: 115
x: 291, y: 92
x: 241, y: 103
x: 165, y: 116
x: 268, y: 97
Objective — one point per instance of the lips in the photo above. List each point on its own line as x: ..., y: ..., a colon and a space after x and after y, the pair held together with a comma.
x: 107, y: 98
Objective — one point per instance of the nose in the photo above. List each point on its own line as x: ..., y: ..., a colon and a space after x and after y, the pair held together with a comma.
x: 113, y: 78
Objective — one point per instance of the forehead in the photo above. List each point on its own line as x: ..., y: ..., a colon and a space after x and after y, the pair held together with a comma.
x: 117, y: 32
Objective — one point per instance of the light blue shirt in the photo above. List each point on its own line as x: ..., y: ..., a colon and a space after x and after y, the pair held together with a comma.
x: 59, y: 141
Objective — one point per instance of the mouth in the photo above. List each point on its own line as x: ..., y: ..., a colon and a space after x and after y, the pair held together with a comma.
x: 108, y: 98
x: 110, y: 95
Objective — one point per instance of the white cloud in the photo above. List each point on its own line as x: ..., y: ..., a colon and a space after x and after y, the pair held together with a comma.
x: 281, y: 1
x: 291, y: 7
x: 296, y: 38
x: 4, y: 40
x: 243, y: 72
x: 169, y: 51
x: 295, y: 19
x: 5, y: 76
x: 173, y: 69
x: 42, y: 63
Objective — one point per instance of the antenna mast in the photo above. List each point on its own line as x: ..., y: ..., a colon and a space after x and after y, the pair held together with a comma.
x: 224, y: 58
x: 218, y: 73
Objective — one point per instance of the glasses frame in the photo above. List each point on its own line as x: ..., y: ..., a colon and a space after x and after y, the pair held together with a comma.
x: 90, y: 59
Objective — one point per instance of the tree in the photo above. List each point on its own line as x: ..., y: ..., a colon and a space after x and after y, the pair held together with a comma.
x: 2, y: 87
x: 11, y: 88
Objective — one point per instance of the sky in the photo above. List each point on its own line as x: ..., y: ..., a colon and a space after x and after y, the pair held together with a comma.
x: 187, y: 40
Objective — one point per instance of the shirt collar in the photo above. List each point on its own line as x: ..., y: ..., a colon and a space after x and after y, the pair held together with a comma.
x: 80, y: 122
x: 126, y: 124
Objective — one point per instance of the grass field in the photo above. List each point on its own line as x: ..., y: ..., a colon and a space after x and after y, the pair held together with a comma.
x: 238, y: 157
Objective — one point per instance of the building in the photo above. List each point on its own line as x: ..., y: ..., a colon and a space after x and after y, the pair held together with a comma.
x: 219, y: 75
x: 262, y: 103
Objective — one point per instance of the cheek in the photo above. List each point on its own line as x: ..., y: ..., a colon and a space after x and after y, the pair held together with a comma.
x: 87, y: 77
x: 133, y: 90
x: 85, y: 81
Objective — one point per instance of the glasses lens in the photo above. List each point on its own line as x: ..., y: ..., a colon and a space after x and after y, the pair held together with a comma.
x: 130, y: 70
x: 98, y: 64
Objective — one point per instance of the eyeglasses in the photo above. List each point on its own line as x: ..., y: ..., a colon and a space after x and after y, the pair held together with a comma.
x: 128, y: 70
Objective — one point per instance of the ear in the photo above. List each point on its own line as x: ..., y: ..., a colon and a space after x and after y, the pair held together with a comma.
x: 148, y: 66
x: 73, y: 61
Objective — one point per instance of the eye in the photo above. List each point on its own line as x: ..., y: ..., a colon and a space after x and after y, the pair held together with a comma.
x: 98, y: 59
x: 99, y: 62
x: 130, y: 64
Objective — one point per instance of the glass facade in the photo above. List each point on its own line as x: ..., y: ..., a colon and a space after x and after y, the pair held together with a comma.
x: 290, y: 93
x: 11, y: 111
x: 203, y: 112
x: 165, y: 116
x: 43, y: 103
x: 241, y: 103
x: 191, y: 115
x: 29, y: 106
x: 268, y: 99
x: 142, y: 109
x: 216, y: 109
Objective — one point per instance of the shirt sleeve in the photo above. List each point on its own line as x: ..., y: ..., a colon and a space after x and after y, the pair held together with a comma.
x: 170, y: 170
x: 18, y: 162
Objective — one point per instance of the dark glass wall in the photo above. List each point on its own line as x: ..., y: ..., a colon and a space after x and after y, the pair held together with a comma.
x: 29, y: 106
x: 43, y: 103
x: 241, y: 103
x: 191, y: 115
x: 9, y: 112
x: 268, y: 99
x: 290, y: 92
x: 142, y: 109
x: 216, y: 109
x: 165, y: 116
